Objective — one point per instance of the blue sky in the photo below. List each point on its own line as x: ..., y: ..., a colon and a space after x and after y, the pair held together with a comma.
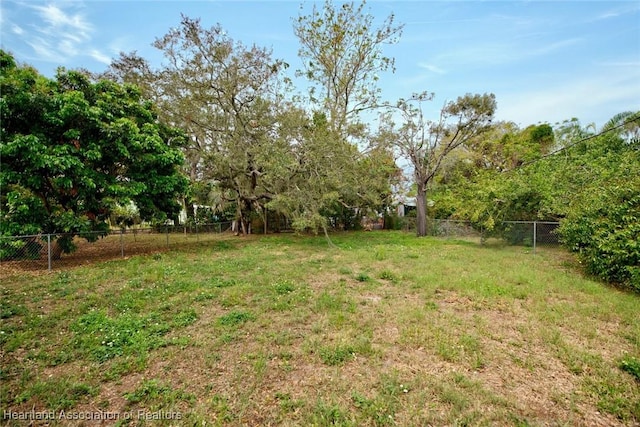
x: 546, y: 61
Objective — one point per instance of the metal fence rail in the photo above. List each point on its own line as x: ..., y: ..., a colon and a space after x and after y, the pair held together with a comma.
x: 522, y: 233
x: 44, y: 251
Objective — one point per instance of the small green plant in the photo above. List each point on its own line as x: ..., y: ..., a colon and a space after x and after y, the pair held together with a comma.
x: 345, y: 270
x: 185, y: 318
x: 222, y: 283
x: 235, y: 318
x: 388, y: 275
x: 337, y: 355
x: 363, y: 277
x: 329, y: 415
x: 632, y: 366
x: 284, y: 287
x: 57, y: 394
x: 287, y: 403
x: 154, y: 390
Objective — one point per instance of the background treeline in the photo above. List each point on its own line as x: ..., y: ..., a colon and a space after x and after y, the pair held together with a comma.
x: 221, y: 125
x: 586, y: 178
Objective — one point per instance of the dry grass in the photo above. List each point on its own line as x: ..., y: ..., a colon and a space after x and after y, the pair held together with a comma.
x: 386, y: 329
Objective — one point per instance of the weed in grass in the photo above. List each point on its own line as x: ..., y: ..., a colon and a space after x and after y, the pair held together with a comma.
x: 631, y: 365
x: 234, y: 297
x: 345, y: 271
x: 613, y: 398
x: 222, y: 283
x: 337, y: 355
x: 120, y: 367
x: 204, y: 296
x: 287, y: 403
x: 454, y: 397
x: 380, y: 253
x: 329, y: 302
x: 430, y: 305
x: 323, y: 414
x: 101, y: 337
x: 154, y: 391
x: 281, y: 338
x: 57, y: 394
x: 284, y: 287
x: 221, y: 408
x: 9, y: 309
x: 388, y: 275
x: 228, y: 337
x: 235, y: 318
x: 375, y: 410
x: 185, y: 318
x: 363, y: 277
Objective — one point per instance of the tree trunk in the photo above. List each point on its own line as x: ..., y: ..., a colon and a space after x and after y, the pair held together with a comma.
x: 421, y: 210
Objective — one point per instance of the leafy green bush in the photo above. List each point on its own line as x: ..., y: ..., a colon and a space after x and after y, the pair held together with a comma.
x: 605, y: 232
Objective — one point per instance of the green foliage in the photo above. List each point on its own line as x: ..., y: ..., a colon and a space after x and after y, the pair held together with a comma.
x: 73, y: 150
x: 632, y: 366
x: 235, y: 318
x: 605, y: 232
x: 591, y: 185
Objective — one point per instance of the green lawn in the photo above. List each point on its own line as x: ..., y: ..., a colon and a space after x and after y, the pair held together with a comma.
x: 382, y: 329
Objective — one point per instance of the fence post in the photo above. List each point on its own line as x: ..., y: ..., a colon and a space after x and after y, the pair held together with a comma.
x: 167, y: 231
x: 197, y: 235
x: 49, y: 250
x: 535, y: 233
x: 219, y: 227
x: 122, y: 243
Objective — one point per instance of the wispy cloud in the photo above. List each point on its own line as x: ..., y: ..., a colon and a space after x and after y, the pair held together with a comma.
x: 74, y: 25
x: 631, y: 7
x: 584, y: 98
x: 17, y: 29
x: 57, y: 32
x: 432, y: 68
x: 100, y: 57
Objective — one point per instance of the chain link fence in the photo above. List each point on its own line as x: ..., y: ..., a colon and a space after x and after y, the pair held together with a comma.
x: 531, y: 234
x: 46, y: 251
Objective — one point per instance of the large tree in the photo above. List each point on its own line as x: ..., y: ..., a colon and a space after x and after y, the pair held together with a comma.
x: 427, y: 143
x: 73, y: 149
x: 228, y: 97
x: 341, y: 48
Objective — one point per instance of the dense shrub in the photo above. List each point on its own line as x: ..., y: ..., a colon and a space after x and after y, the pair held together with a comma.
x: 605, y: 233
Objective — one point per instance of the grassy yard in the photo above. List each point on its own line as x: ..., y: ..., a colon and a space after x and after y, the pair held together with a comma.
x: 382, y: 329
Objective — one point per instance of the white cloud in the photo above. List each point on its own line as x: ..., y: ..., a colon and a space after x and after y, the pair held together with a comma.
x: 625, y: 8
x: 17, y: 29
x: 74, y: 24
x: 57, y: 32
x: 43, y: 49
x: 432, y: 68
x: 592, y: 98
x: 99, y: 56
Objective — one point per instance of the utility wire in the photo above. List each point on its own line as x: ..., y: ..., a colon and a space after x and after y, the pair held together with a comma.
x: 573, y: 144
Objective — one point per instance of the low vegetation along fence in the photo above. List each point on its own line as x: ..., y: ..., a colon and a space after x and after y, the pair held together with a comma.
x: 524, y: 233
x: 41, y: 252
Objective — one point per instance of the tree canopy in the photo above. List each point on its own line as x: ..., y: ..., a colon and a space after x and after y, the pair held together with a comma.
x: 72, y: 150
